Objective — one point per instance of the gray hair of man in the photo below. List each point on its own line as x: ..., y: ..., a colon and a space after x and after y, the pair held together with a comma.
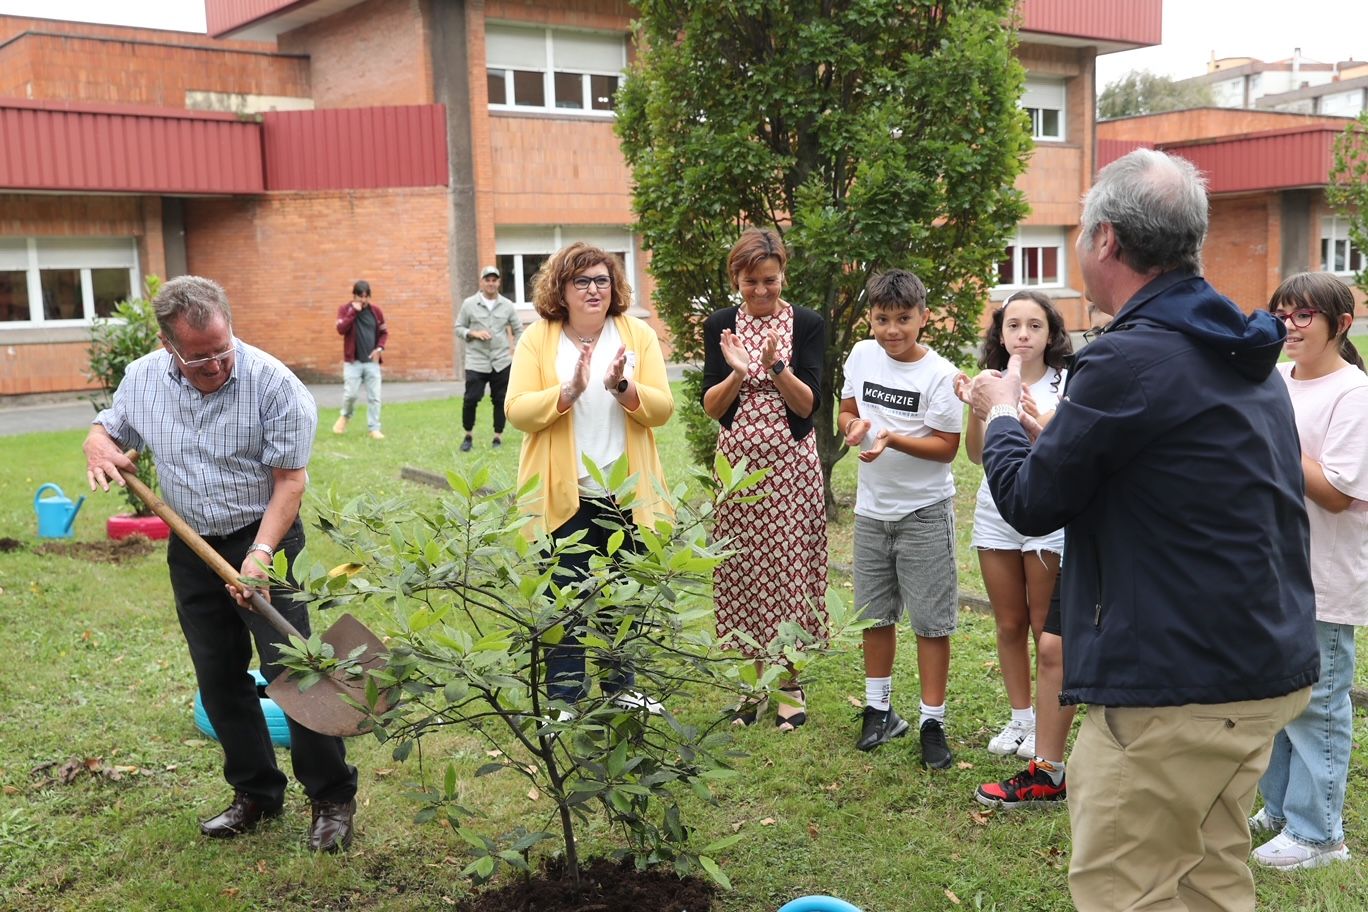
x: 195, y: 299
x: 1157, y: 205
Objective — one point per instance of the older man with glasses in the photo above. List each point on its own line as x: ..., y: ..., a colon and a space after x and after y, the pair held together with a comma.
x: 231, y: 430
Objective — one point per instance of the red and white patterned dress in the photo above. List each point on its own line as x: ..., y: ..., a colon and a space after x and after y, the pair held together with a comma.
x: 779, y: 572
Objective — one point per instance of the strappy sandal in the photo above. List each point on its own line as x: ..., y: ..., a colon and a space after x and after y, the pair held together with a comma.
x: 796, y: 700
x: 748, y: 710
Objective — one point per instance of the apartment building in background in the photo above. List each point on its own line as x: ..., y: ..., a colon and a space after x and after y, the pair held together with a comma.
x: 303, y: 144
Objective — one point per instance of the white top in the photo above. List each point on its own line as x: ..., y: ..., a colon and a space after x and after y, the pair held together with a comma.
x: 489, y: 302
x: 1046, y: 392
x: 1332, y: 421
x: 600, y: 425
x: 912, y: 398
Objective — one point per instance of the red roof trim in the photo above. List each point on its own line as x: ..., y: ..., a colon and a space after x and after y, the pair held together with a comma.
x: 1283, y: 159
x: 224, y: 16
x: 1138, y: 22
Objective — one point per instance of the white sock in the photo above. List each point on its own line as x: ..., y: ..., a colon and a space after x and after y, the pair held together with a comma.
x: 1025, y: 716
x: 879, y: 693
x: 931, y: 712
x: 1054, y: 768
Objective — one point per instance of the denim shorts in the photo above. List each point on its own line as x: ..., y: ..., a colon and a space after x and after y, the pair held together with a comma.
x: 907, y: 567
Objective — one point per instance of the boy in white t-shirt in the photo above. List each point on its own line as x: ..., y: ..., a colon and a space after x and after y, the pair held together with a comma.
x: 899, y: 406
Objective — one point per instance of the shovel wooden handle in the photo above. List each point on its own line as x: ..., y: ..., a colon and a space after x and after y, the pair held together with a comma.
x: 225, y: 571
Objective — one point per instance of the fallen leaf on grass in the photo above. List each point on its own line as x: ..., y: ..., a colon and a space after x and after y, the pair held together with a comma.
x: 768, y: 821
x: 813, y: 832
x: 834, y: 787
x: 533, y: 794
x: 11, y: 790
x: 978, y: 818
x: 194, y: 742
x: 736, y: 827
x: 855, y: 701
x: 952, y: 897
x: 494, y: 753
x: 231, y: 892
x: 965, y: 765
x: 382, y: 773
x: 261, y: 866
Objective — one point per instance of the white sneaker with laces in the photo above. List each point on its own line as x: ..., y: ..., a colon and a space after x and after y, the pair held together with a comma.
x: 1262, y: 823
x: 1027, y: 749
x: 1286, y: 854
x: 1011, y: 738
x: 631, y: 699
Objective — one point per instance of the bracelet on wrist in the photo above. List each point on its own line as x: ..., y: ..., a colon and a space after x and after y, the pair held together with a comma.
x: 1002, y: 410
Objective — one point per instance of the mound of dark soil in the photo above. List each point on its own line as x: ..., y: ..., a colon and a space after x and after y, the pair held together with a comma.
x: 605, y: 886
x: 10, y: 544
x: 101, y: 552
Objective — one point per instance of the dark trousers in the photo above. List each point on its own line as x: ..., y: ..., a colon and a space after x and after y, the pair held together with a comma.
x: 474, y: 391
x: 220, y: 633
x: 565, y: 662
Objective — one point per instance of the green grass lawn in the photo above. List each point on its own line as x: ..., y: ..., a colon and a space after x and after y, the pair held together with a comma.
x: 99, y: 679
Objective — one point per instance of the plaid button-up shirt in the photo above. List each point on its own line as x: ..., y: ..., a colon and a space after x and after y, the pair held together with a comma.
x: 215, y: 453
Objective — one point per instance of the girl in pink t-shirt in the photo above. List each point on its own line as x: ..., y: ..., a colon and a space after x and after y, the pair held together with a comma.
x: 1303, y: 790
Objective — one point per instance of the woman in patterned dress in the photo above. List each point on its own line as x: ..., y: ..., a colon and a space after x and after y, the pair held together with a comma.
x: 762, y: 379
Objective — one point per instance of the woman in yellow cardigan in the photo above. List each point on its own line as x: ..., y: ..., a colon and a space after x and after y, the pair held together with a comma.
x: 588, y: 381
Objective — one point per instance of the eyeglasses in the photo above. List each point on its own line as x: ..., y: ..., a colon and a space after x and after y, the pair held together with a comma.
x: 1300, y: 318
x: 221, y: 357
x: 599, y: 281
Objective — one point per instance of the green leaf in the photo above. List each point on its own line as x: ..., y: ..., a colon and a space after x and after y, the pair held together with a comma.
x: 714, y: 871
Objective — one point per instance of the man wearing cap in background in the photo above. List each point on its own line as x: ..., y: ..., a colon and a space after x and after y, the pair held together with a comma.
x: 490, y: 326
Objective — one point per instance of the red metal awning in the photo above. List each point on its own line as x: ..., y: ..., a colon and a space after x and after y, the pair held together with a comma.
x: 1270, y: 160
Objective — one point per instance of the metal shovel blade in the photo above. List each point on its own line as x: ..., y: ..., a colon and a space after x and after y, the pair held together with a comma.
x: 322, y: 708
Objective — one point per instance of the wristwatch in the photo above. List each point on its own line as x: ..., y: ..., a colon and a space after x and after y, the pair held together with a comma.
x: 622, y: 386
x: 1000, y: 411
x: 777, y: 368
x: 264, y: 549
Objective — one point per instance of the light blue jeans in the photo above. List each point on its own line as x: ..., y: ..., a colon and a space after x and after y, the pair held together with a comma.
x: 354, y: 374
x: 1303, y: 789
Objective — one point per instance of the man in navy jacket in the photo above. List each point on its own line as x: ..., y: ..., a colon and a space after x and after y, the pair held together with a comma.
x: 1175, y: 468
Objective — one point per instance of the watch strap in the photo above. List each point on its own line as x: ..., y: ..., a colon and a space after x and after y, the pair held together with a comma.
x: 264, y: 549
x: 1000, y: 411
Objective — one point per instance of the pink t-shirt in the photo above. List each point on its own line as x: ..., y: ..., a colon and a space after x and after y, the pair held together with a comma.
x: 1332, y: 420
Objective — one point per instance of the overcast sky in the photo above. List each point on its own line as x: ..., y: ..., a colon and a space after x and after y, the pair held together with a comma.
x: 1325, y: 30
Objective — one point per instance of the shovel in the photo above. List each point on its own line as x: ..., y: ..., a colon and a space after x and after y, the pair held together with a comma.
x: 321, y: 707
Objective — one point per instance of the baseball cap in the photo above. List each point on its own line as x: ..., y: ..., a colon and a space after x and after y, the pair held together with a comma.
x: 489, y: 271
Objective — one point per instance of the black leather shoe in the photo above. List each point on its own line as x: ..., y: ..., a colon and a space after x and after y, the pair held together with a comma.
x: 332, y: 826
x: 242, y: 816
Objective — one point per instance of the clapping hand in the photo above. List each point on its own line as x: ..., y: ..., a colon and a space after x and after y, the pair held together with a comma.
x: 880, y: 444
x: 735, y: 354
x: 616, y: 370
x: 770, y: 349
x: 856, y: 431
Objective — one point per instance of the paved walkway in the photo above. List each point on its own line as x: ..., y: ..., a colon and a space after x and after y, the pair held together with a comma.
x: 70, y: 411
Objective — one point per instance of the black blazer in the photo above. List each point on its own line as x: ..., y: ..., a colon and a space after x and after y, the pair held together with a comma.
x: 809, y: 345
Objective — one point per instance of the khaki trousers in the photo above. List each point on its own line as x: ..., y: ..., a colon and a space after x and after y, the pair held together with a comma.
x: 1159, y: 800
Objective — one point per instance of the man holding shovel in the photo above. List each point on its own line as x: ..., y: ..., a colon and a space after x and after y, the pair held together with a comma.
x: 231, y: 429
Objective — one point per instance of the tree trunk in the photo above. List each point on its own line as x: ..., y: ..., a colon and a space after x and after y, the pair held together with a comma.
x: 830, y: 449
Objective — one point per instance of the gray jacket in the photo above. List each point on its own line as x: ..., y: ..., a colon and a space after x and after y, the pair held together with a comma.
x: 496, y: 353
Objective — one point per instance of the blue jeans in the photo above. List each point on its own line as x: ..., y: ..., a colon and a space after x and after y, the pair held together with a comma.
x: 354, y: 374
x: 1304, y: 786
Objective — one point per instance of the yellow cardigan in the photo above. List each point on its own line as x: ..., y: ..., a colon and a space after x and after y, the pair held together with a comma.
x: 549, y: 450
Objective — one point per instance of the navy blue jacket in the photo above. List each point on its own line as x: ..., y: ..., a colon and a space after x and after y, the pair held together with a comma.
x: 1175, y: 467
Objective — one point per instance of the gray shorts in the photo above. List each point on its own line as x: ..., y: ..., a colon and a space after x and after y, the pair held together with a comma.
x: 908, y: 567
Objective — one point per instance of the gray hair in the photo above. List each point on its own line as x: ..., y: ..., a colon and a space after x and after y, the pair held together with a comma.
x: 195, y: 299
x: 1157, y: 204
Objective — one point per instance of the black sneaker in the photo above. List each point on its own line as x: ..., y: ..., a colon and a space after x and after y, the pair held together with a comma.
x: 466, y: 445
x: 935, y: 749
x: 879, y: 726
x: 1032, y: 786
x: 498, y: 442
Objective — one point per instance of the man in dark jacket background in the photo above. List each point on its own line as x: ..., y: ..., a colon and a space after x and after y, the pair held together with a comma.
x: 1175, y: 468
x: 364, y: 333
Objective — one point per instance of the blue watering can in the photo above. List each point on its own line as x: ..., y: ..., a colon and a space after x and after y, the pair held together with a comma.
x: 55, y: 514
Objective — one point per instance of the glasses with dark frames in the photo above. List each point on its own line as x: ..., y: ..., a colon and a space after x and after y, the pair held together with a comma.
x: 599, y: 281
x: 221, y: 357
x: 1300, y: 318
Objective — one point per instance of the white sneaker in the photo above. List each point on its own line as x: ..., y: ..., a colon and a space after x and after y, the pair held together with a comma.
x: 1011, y: 738
x: 1286, y: 854
x: 631, y: 699
x: 1027, y: 749
x: 1262, y: 823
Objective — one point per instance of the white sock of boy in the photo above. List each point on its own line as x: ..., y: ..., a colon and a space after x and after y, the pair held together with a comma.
x: 931, y: 712
x: 879, y: 693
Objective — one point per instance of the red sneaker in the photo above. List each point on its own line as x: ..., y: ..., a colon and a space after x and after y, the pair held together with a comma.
x: 1031, y: 786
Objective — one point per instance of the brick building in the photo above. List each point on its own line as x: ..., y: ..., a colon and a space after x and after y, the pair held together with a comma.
x: 303, y: 144
x: 1267, y: 172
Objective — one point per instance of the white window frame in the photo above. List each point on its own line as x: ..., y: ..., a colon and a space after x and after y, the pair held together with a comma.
x: 1044, y: 94
x: 68, y: 253
x: 1334, y: 232
x: 544, y: 241
x: 1031, y: 241
x: 547, y: 67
